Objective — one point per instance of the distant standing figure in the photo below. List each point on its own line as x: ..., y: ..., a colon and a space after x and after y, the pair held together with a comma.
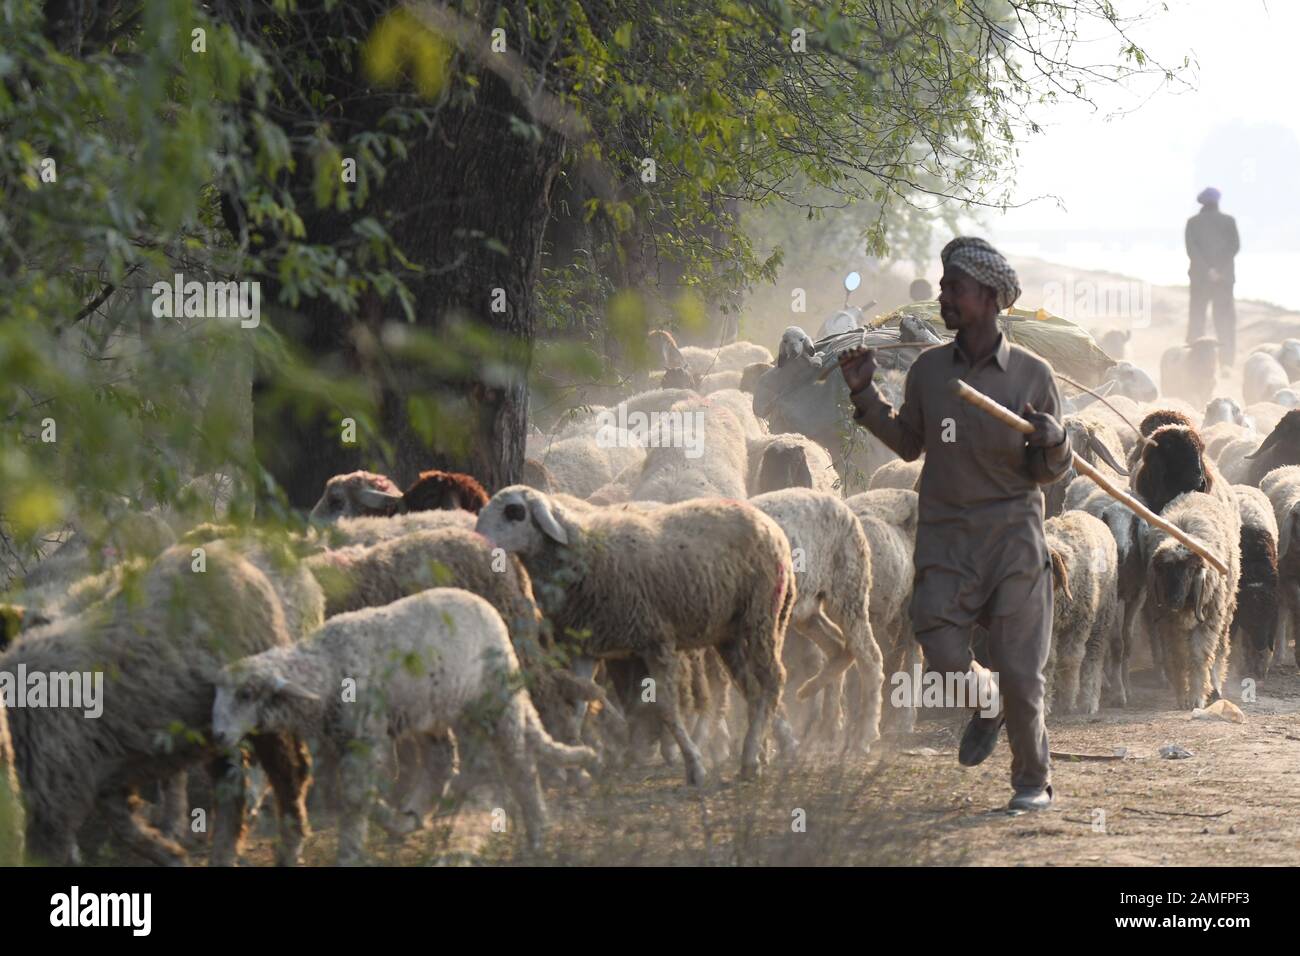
x: 920, y: 291
x: 1212, y: 244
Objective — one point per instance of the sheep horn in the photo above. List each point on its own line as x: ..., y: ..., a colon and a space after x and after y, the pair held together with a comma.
x: 1102, y: 452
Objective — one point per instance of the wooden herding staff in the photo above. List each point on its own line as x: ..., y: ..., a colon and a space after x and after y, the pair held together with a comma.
x: 1008, y: 417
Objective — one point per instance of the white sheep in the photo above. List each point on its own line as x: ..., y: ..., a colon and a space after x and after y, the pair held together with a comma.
x: 582, y: 463
x: 1191, y: 605
x: 653, y: 582
x: 1282, y: 486
x: 717, y: 381
x: 832, y: 564
x: 1261, y: 376
x: 160, y: 647
x: 888, y: 519
x: 436, y: 661
x: 1085, y: 610
x: 373, y: 530
x: 699, y: 451
x: 789, y: 460
x: 898, y: 474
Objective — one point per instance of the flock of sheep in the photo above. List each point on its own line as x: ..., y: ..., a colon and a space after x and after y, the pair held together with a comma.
x: 409, y: 644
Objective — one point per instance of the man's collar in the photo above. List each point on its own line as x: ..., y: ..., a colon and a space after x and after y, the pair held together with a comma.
x: 1001, y: 354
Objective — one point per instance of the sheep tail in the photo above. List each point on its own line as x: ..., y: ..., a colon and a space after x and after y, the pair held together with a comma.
x: 551, y: 750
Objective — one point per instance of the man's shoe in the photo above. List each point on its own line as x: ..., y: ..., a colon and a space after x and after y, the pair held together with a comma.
x: 979, y: 740
x: 1032, y: 799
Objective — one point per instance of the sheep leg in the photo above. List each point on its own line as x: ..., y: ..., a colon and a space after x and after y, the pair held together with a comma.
x: 756, y: 683
x: 861, y: 641
x: 584, y: 668
x: 120, y: 808
x: 230, y: 796
x: 665, y: 668
x: 519, y: 766
x: 1094, y: 662
x: 1115, y: 667
x: 358, y: 770
x: 288, y: 770
x: 174, y: 811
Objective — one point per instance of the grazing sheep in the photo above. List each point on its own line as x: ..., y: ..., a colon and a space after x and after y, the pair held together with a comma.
x: 1172, y: 462
x: 1127, y: 529
x: 536, y: 475
x: 436, y: 661
x: 351, y: 495
x: 832, y: 564
x: 898, y: 474
x: 1190, y: 604
x: 717, y: 381
x: 11, y: 807
x: 1282, y: 486
x: 1286, y: 353
x: 704, y: 361
x: 1085, y: 610
x: 651, y: 583
x: 372, y: 530
x: 1131, y: 382
x: 1279, y: 448
x: 698, y: 452
x: 742, y: 406
x: 1224, y: 410
x: 581, y: 464
x: 1254, y: 625
x: 159, y: 649
x: 93, y: 548
x: 1262, y: 376
x: 789, y: 461
x: 1115, y: 342
x: 436, y: 490
x: 1265, y: 415
x: 1190, y: 371
x: 1220, y: 435
x: 888, y: 519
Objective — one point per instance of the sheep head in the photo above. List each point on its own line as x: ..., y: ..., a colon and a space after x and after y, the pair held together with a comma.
x: 444, y: 491
x: 1282, y: 446
x: 355, y: 494
x: 783, y: 465
x: 1222, y: 410
x: 664, y: 346
x: 795, y: 342
x: 1132, y: 382
x: 752, y: 373
x: 680, y: 377
x: 1173, y: 462
x: 522, y: 520
x: 253, y: 695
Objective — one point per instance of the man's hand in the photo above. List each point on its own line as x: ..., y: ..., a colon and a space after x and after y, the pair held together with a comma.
x: 1047, y: 432
x: 857, y: 366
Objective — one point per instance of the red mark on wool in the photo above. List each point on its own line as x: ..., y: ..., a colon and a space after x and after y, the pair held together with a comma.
x: 778, y: 592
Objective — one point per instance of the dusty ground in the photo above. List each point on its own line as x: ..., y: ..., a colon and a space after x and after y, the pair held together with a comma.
x: 1235, y: 801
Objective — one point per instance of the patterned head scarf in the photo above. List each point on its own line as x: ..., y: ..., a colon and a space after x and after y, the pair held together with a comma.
x: 1208, y: 195
x: 985, y: 265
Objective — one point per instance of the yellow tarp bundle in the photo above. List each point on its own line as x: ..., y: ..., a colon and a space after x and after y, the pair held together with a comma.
x: 1069, y: 348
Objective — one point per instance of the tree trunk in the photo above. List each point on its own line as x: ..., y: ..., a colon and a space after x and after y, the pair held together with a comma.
x: 471, y: 181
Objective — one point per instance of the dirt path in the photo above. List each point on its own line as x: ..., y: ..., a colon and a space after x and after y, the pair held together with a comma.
x: 910, y: 803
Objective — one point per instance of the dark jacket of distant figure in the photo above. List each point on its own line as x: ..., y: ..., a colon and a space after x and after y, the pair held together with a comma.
x: 1212, y: 242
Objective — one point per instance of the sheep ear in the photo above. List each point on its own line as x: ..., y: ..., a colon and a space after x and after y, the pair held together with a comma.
x: 540, y: 509
x: 1060, y: 574
x: 1203, y: 594
x: 1269, y: 441
x: 380, y: 500
x: 292, y: 689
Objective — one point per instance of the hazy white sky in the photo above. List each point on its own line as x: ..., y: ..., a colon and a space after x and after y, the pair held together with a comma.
x: 1128, y: 182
